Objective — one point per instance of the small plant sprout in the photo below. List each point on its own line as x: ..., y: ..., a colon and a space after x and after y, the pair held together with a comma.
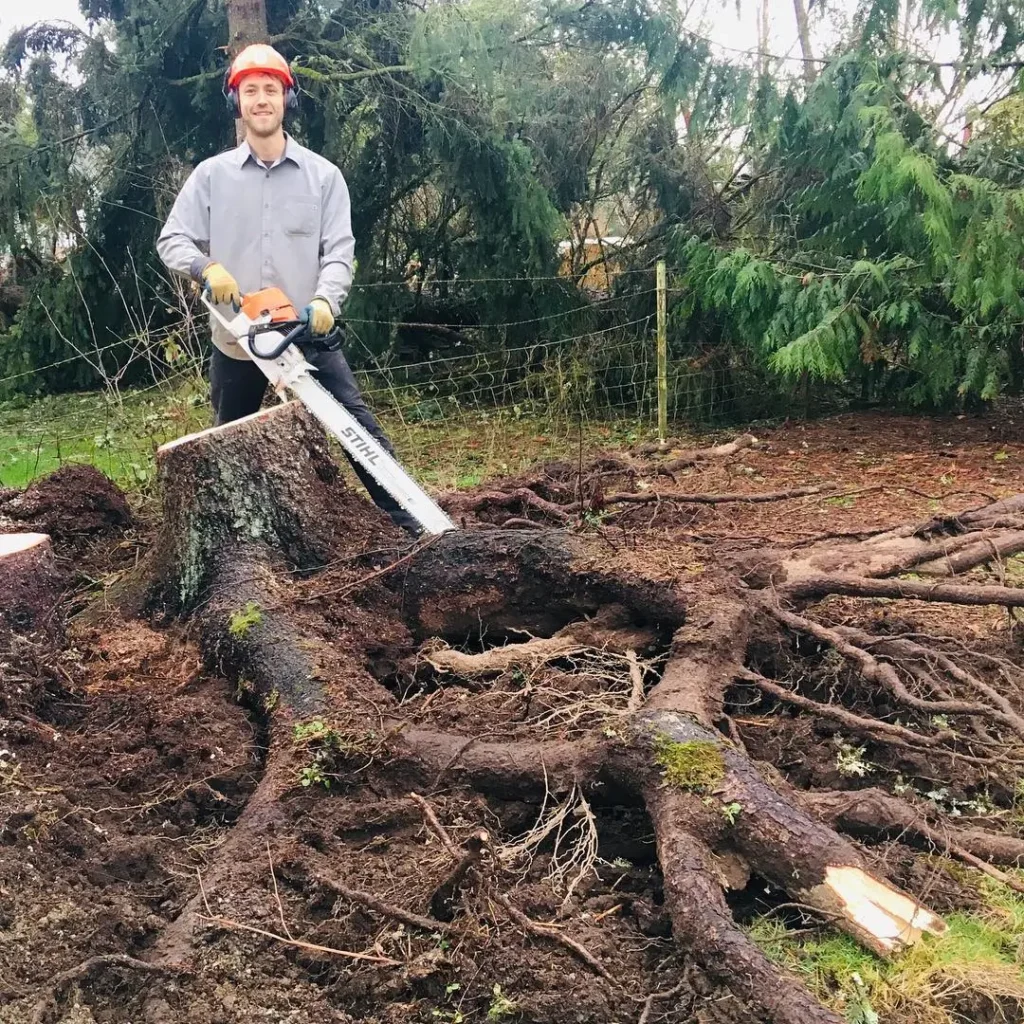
x: 501, y: 1007
x: 850, y: 760
x: 731, y: 812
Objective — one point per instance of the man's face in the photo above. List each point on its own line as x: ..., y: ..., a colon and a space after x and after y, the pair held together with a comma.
x: 261, y: 98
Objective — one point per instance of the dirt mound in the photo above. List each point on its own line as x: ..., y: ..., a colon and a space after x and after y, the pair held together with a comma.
x: 120, y: 761
x: 73, y: 504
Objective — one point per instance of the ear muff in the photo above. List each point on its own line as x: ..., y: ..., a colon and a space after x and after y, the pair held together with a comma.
x: 230, y: 96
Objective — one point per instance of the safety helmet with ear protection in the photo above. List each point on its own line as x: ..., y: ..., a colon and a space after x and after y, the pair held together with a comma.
x: 259, y: 58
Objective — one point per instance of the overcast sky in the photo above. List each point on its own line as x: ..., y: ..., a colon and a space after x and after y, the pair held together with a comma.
x: 725, y: 27
x: 717, y: 19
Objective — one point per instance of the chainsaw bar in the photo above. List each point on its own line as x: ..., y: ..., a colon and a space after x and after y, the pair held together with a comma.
x: 291, y: 372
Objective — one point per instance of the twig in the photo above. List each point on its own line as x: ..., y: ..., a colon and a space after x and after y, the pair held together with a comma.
x: 277, y: 896
x: 545, y: 932
x: 439, y: 829
x: 371, y: 902
x: 202, y: 890
x: 226, y: 922
x: 61, y: 981
x: 649, y: 1001
x: 607, y: 913
x: 448, y: 889
x: 644, y: 497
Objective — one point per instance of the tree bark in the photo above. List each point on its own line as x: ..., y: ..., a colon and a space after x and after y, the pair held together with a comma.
x: 804, y: 31
x: 247, y: 23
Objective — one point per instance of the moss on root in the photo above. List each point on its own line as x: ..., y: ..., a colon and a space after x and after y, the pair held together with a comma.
x: 242, y: 621
x: 696, y: 766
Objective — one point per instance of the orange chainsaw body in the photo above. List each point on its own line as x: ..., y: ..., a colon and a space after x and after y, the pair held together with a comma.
x: 270, y: 302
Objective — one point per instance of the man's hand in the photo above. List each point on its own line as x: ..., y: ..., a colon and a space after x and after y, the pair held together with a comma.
x: 319, y: 316
x: 221, y: 286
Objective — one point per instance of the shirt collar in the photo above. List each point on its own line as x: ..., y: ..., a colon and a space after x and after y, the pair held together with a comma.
x: 291, y: 152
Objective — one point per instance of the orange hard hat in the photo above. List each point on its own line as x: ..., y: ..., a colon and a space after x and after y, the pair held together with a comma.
x: 259, y: 57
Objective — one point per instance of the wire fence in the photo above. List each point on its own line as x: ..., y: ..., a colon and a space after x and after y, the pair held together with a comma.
x: 592, y: 369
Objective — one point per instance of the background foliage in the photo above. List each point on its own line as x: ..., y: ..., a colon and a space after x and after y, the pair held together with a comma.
x: 831, y: 226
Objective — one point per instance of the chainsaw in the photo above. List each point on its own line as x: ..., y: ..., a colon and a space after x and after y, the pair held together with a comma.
x: 269, y: 328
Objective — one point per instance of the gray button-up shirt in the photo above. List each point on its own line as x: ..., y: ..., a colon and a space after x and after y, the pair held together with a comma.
x: 288, y: 225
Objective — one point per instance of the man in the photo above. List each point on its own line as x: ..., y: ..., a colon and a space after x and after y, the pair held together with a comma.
x: 270, y: 212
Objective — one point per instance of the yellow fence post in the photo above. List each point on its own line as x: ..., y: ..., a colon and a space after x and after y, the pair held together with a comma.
x: 662, y: 287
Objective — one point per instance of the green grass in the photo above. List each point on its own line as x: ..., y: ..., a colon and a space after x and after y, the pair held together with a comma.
x: 120, y: 437
x: 981, y: 955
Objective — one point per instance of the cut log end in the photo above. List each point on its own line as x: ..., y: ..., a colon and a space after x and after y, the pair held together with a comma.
x: 30, y: 584
x: 212, y: 432
x: 12, y: 544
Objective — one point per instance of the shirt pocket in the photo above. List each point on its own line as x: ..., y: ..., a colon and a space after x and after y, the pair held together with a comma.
x: 301, y: 215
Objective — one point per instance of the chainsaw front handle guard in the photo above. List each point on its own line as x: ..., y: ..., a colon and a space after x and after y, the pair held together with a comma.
x: 297, y: 332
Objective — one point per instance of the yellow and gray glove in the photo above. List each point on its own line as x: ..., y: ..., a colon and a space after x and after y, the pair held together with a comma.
x: 320, y: 317
x: 221, y: 286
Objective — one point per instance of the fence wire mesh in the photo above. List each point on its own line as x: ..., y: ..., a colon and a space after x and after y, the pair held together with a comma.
x: 590, y: 370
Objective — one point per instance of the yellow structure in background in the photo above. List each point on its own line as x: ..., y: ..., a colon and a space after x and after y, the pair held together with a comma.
x: 594, y: 262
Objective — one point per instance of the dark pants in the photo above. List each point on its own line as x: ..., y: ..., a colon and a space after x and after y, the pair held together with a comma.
x: 237, y: 387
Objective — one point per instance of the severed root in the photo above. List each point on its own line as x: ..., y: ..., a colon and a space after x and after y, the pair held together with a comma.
x: 873, y: 812
x: 851, y: 585
x: 29, y: 584
x: 892, y: 919
x: 776, y: 837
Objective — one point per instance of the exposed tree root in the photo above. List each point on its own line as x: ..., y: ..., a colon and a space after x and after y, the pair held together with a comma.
x: 815, y: 587
x: 873, y: 812
x: 885, y: 675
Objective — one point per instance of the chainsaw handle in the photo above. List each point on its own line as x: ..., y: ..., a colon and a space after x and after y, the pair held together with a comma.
x: 293, y: 336
x: 296, y: 334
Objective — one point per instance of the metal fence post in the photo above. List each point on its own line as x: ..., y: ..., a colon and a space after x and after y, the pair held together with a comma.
x: 662, y: 288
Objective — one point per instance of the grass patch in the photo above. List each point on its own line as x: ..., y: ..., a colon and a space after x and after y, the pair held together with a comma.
x: 980, y: 960
x: 120, y: 437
